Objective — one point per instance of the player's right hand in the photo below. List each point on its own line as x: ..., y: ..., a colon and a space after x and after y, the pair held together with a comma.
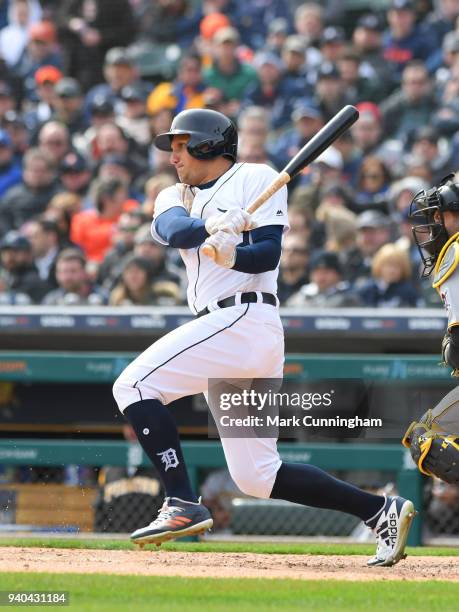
x: 234, y: 220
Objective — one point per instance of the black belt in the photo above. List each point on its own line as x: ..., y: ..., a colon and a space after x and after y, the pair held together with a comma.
x: 246, y: 298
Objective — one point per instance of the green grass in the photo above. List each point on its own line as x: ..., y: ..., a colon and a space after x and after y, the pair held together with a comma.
x: 139, y: 593
x: 282, y: 548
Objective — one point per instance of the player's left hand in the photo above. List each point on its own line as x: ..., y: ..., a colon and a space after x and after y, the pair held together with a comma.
x: 235, y: 220
x: 224, y: 244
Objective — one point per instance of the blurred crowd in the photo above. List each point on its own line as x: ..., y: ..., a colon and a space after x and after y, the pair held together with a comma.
x: 85, y: 85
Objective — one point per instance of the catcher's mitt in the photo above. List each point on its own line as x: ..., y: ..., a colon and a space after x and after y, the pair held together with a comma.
x: 434, y: 440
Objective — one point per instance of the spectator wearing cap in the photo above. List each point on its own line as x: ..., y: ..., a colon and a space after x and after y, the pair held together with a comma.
x: 401, y: 194
x: 332, y: 43
x: 254, y: 129
x: 326, y: 288
x: 278, y: 31
x: 74, y: 287
x: 68, y: 105
x: 442, y: 19
x: 75, y: 176
x: 367, y: 42
x: 19, y: 273
x: 208, y: 27
x: 133, y: 117
x: 369, y: 137
x: 100, y: 111
x: 111, y: 139
x: 410, y: 106
x: 274, y: 91
x: 307, y: 120
x: 428, y: 148
x: 15, y: 124
x: 160, y: 258
x: 252, y: 20
x: 324, y: 172
x: 30, y: 197
x: 14, y: 36
x: 120, y: 167
x: 172, y: 22
x: 43, y: 235
x: 308, y: 22
x: 42, y: 107
x: 358, y: 86
x: 211, y: 23
x: 330, y: 94
x: 373, y: 231
x: 340, y: 226
x: 111, y: 268
x: 119, y: 71
x: 186, y: 91
x: 54, y: 140
x: 41, y: 50
x: 87, y: 32
x: 92, y: 230
x: 390, y: 285
x: 228, y: 74
x: 405, y: 40
x: 7, y: 102
x: 10, y: 168
x: 293, y: 269
x: 295, y: 74
x: 449, y: 57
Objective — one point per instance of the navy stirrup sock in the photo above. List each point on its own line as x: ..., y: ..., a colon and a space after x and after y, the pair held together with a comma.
x: 311, y: 486
x: 157, y: 433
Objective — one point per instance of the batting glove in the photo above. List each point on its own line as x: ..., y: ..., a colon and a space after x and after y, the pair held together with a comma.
x: 224, y: 244
x: 234, y: 220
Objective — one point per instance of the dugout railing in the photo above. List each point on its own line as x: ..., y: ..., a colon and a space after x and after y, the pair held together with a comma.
x: 203, y: 455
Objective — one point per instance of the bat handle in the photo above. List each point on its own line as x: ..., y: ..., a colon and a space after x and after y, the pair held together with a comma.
x: 281, y: 179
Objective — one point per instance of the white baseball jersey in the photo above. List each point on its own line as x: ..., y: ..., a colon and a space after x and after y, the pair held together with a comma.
x: 244, y: 341
x: 237, y: 188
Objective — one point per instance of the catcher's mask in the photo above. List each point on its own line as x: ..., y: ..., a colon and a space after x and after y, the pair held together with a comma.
x: 430, y: 235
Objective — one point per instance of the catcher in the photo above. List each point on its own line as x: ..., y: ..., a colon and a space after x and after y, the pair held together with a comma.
x: 434, y: 439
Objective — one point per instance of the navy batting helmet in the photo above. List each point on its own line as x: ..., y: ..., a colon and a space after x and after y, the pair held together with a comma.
x: 211, y: 134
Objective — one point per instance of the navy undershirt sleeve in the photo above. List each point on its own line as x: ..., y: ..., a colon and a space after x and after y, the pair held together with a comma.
x: 264, y: 252
x: 179, y: 230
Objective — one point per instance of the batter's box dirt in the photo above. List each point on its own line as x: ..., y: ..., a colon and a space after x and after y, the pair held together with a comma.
x: 222, y: 565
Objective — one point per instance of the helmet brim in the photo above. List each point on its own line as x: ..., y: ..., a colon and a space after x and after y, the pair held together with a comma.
x: 164, y: 141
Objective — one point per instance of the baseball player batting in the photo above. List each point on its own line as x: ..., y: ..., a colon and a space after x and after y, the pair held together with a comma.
x: 237, y: 334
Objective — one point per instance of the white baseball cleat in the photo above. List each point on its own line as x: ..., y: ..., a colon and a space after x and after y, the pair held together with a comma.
x: 391, y: 530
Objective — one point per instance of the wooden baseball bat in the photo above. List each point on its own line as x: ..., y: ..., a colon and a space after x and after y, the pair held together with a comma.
x: 311, y: 151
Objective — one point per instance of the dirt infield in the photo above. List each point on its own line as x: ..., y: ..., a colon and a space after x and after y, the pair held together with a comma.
x: 221, y: 565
